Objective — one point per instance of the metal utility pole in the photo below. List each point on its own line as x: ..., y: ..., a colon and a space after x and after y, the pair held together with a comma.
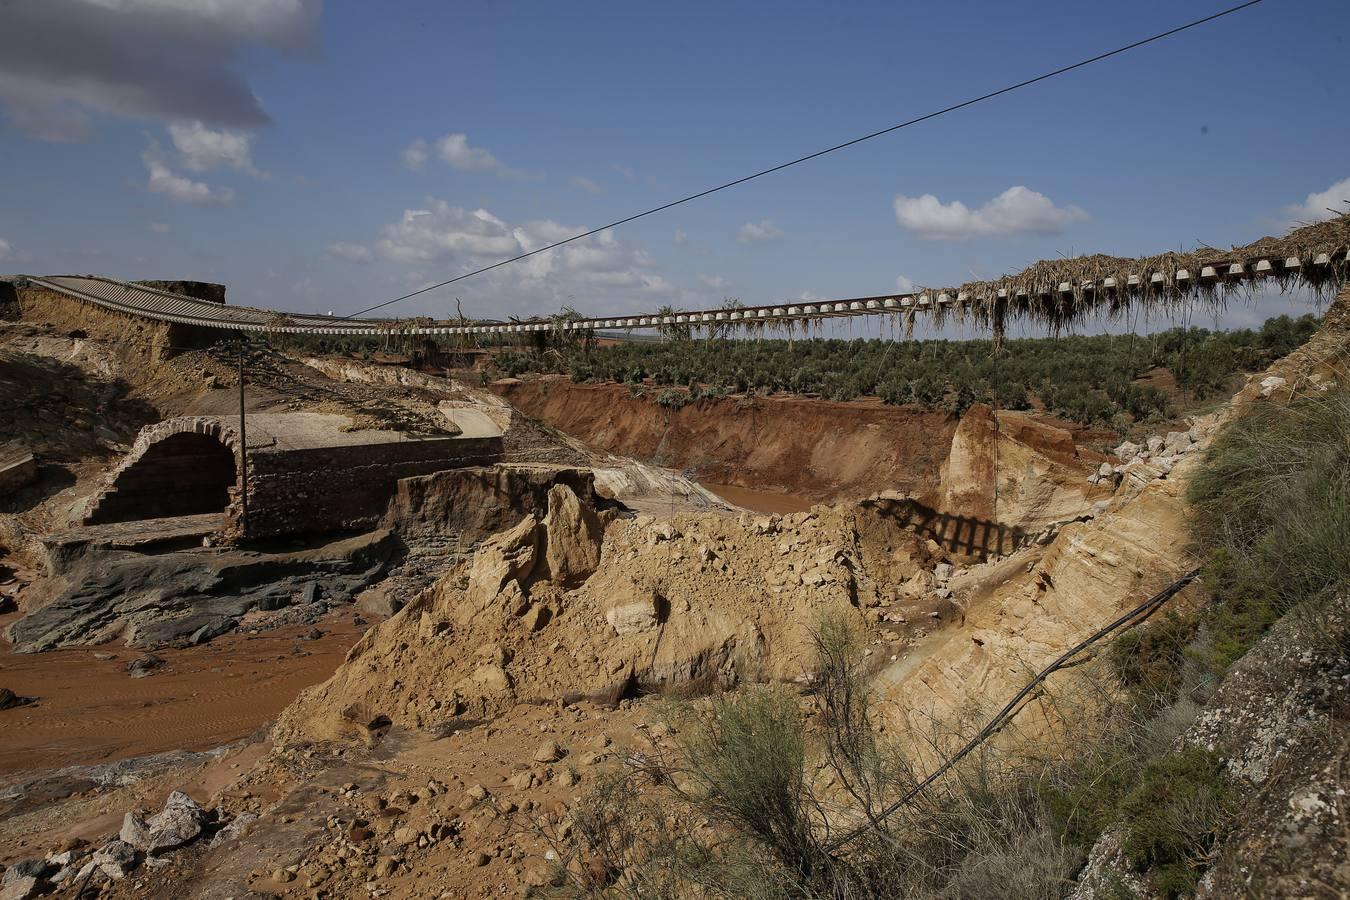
x: 243, y: 444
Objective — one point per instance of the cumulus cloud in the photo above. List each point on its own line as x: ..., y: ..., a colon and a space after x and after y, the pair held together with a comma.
x: 1018, y: 210
x: 9, y: 254
x: 463, y: 239
x: 181, y: 189
x: 357, y: 253
x: 580, y: 181
x: 161, y: 59
x: 681, y: 239
x: 415, y: 154
x: 455, y: 151
x: 203, y: 149
x: 1319, y: 205
x: 715, y: 282
x: 759, y: 232
x: 904, y: 284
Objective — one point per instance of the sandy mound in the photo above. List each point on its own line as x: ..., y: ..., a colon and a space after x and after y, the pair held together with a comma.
x: 574, y: 603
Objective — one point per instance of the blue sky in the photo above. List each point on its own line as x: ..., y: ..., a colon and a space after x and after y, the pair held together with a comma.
x: 329, y: 156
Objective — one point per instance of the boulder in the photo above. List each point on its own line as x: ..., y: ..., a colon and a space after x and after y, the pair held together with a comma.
x: 145, y: 665
x: 536, y: 617
x: 573, y: 534
x: 379, y: 601
x: 1270, y: 384
x: 1128, y: 451
x: 238, y: 827
x: 492, y: 678
x: 1178, y: 441
x: 9, y: 699
x: 24, y: 879
x: 1155, y: 444
x: 548, y: 752
x: 632, y: 618
x: 116, y: 859
x: 507, y: 556
x: 181, y: 820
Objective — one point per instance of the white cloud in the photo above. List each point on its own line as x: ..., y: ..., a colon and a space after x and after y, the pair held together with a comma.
x: 9, y: 254
x: 601, y: 266
x: 161, y: 59
x: 904, y: 284
x: 159, y: 227
x: 759, y: 232
x: 580, y: 181
x: 358, y: 253
x: 415, y: 156
x: 1018, y: 210
x: 180, y: 189
x: 681, y: 239
x: 456, y: 151
x: 716, y: 282
x: 1319, y: 205
x: 203, y: 149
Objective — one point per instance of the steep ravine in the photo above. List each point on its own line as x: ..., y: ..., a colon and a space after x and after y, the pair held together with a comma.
x: 811, y: 448
x: 825, y: 451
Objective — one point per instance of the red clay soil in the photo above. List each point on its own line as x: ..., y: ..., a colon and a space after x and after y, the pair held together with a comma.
x: 817, y: 449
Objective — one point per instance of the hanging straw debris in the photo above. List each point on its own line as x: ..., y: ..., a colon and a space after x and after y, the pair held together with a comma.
x: 1062, y: 292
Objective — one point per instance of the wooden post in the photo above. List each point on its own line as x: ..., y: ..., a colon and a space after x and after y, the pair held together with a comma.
x: 243, y: 444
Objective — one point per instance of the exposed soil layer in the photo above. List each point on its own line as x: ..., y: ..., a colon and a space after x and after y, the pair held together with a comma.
x: 815, y: 449
x: 90, y: 710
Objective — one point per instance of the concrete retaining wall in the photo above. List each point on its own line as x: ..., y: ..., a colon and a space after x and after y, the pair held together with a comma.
x: 343, y: 488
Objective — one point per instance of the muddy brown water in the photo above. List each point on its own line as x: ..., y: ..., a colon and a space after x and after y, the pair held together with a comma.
x: 90, y: 710
x: 759, y: 501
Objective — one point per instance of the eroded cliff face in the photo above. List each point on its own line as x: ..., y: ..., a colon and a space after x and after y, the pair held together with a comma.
x: 1021, y: 612
x: 1017, y: 470
x: 817, y: 449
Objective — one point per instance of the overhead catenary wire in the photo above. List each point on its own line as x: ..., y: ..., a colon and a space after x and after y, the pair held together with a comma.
x: 1195, y: 23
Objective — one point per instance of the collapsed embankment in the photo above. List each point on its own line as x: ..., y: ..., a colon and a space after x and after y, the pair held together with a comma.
x: 817, y: 449
x: 1018, y: 472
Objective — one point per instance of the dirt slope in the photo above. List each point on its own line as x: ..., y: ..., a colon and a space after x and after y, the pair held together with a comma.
x: 638, y: 604
x: 812, y: 448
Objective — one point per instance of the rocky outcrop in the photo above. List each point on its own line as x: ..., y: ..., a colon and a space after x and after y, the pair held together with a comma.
x: 181, y: 820
x: 1281, y: 722
x: 1018, y: 471
x: 1021, y: 612
x: 573, y: 534
x: 451, y: 511
x: 189, y: 595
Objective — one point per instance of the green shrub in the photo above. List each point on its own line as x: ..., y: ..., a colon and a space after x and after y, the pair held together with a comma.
x: 1171, y: 818
x: 672, y: 398
x: 1271, y: 506
x: 1149, y: 659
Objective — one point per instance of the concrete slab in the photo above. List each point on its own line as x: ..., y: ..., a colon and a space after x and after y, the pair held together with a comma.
x: 17, y: 468
x: 471, y: 422
x: 309, y: 431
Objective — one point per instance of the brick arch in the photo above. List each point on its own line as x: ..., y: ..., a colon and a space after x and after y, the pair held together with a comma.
x: 108, y: 504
